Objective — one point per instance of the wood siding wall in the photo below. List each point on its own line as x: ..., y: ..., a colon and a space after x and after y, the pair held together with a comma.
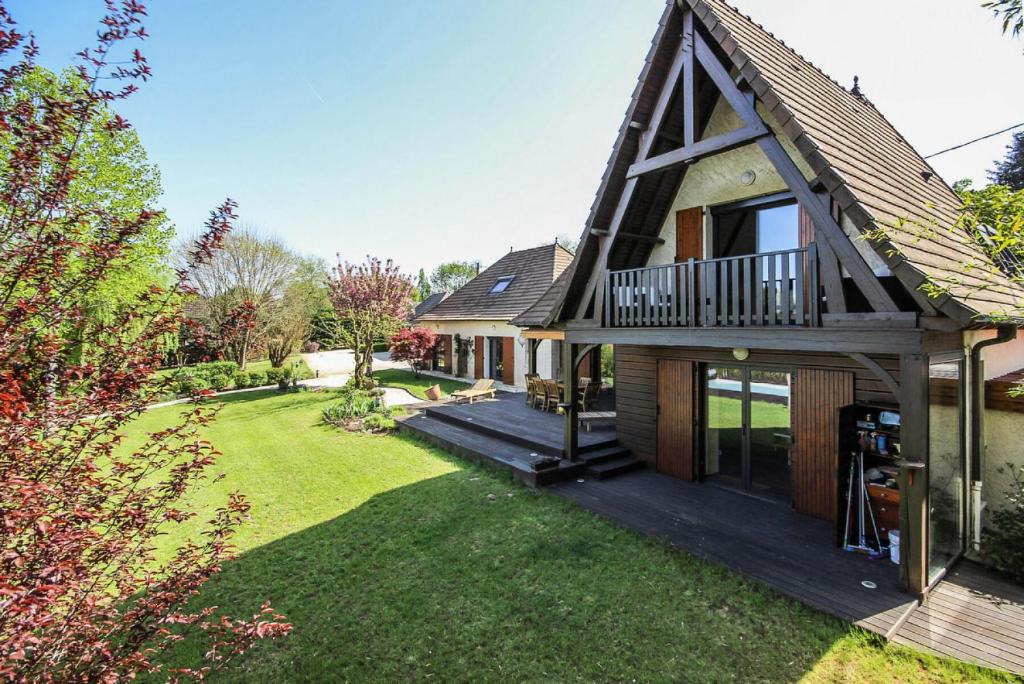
x: 675, y: 419
x: 817, y: 396
x: 479, y: 345
x: 636, y: 383
x: 508, y: 360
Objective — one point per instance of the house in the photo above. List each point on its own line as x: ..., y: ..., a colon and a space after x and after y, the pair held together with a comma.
x: 476, y: 336
x: 779, y: 275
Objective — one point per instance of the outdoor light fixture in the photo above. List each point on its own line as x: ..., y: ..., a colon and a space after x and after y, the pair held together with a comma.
x: 740, y: 353
x: 748, y: 177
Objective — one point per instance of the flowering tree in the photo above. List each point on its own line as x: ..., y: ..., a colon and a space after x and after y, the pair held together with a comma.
x: 82, y: 597
x: 375, y: 300
x: 414, y: 345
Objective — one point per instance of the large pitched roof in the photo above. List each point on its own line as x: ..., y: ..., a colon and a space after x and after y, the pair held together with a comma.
x: 533, y: 269
x: 873, y: 173
x: 542, y: 312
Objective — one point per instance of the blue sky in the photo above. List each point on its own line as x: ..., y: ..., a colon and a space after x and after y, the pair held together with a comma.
x: 456, y: 129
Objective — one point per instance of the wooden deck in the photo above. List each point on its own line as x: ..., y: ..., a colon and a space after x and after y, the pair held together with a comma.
x: 763, y: 540
x: 973, y: 615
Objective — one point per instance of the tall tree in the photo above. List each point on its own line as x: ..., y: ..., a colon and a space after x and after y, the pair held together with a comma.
x: 374, y: 299
x: 82, y: 597
x: 249, y: 269
x: 291, y: 316
x: 450, y: 276
x: 1010, y: 171
x: 422, y: 286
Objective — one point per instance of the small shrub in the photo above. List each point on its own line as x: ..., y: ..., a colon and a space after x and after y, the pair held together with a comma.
x: 243, y: 379
x: 192, y: 385
x: 257, y: 378
x: 227, y: 368
x: 1004, y: 540
x: 274, y: 375
x: 221, y: 382
x: 310, y: 347
x: 378, y: 422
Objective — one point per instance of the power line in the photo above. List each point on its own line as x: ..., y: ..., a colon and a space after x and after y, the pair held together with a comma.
x: 971, y: 142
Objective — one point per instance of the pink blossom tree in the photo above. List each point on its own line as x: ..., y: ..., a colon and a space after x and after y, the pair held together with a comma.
x: 82, y: 595
x: 373, y: 300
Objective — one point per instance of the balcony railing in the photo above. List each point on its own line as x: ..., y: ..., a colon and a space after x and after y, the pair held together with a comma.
x: 769, y: 289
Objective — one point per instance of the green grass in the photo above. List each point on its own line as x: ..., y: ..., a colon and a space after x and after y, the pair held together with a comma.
x: 416, y: 385
x: 396, y: 562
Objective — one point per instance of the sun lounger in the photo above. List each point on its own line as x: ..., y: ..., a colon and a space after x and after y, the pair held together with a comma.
x: 481, y: 388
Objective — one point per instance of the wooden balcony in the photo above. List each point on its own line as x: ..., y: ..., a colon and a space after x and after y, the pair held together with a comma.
x: 769, y: 289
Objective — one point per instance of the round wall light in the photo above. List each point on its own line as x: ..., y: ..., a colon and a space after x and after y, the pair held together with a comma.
x: 748, y: 177
x: 740, y: 353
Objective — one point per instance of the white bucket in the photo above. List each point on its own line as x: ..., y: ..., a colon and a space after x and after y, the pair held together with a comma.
x: 894, y: 546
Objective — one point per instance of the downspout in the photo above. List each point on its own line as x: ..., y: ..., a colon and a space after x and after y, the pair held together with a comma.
x: 1004, y: 333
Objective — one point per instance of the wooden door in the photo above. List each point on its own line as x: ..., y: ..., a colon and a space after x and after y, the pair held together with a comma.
x: 446, y: 341
x: 676, y: 419
x: 508, y: 360
x: 690, y: 234
x: 817, y: 397
x: 478, y: 357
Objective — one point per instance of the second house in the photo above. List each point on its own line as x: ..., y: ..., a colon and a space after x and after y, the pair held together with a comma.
x: 476, y: 338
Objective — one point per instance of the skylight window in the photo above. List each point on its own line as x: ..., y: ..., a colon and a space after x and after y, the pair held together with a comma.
x: 501, y: 284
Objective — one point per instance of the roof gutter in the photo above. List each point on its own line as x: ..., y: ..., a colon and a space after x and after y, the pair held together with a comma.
x: 1004, y: 333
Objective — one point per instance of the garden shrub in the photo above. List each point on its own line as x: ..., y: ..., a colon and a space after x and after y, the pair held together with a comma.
x: 221, y: 382
x: 228, y: 368
x: 378, y: 422
x: 257, y: 378
x: 191, y: 384
x: 310, y: 347
x: 274, y: 375
x: 243, y: 379
x: 1004, y: 539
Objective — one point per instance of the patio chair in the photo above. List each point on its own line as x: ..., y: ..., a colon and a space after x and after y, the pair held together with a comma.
x: 552, y: 395
x: 588, y: 395
x: 531, y: 388
x: 539, y: 399
x: 481, y: 388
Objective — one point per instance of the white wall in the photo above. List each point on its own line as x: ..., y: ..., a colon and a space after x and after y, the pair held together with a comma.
x: 999, y: 359
x: 472, y: 329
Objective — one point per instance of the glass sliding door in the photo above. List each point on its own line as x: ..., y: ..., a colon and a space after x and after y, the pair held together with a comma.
x: 724, y: 434
x: 946, y: 464
x: 747, y: 432
x: 770, y: 432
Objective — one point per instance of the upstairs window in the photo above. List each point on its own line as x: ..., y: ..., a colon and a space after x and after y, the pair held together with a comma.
x: 501, y: 284
x: 755, y: 226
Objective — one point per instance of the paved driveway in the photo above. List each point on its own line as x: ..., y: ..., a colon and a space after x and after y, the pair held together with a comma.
x: 342, y: 362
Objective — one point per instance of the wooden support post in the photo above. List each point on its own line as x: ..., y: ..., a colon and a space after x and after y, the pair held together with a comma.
x: 914, y: 473
x: 570, y: 377
x: 531, y: 351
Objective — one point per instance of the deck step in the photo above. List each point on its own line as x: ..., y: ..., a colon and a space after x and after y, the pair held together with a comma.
x: 616, y: 466
x: 607, y: 453
x: 484, y: 448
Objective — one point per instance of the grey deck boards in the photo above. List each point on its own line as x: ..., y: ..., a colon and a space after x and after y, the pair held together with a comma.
x: 507, y: 416
x: 973, y: 615
x: 763, y: 540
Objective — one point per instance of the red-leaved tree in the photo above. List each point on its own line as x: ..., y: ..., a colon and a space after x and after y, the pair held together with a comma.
x: 372, y: 300
x: 414, y: 345
x: 82, y: 597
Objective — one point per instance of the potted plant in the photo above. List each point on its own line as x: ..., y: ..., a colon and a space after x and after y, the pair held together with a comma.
x: 433, y: 392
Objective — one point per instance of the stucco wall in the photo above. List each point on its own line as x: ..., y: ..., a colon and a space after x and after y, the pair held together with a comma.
x: 999, y: 359
x: 716, y: 180
x: 471, y: 329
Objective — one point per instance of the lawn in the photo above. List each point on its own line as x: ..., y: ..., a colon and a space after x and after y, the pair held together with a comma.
x: 416, y: 384
x: 397, y: 562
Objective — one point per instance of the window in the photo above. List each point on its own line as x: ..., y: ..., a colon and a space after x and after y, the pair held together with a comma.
x: 501, y: 284
x: 756, y: 227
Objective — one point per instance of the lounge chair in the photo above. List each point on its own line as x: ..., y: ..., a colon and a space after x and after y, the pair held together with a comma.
x: 481, y: 388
